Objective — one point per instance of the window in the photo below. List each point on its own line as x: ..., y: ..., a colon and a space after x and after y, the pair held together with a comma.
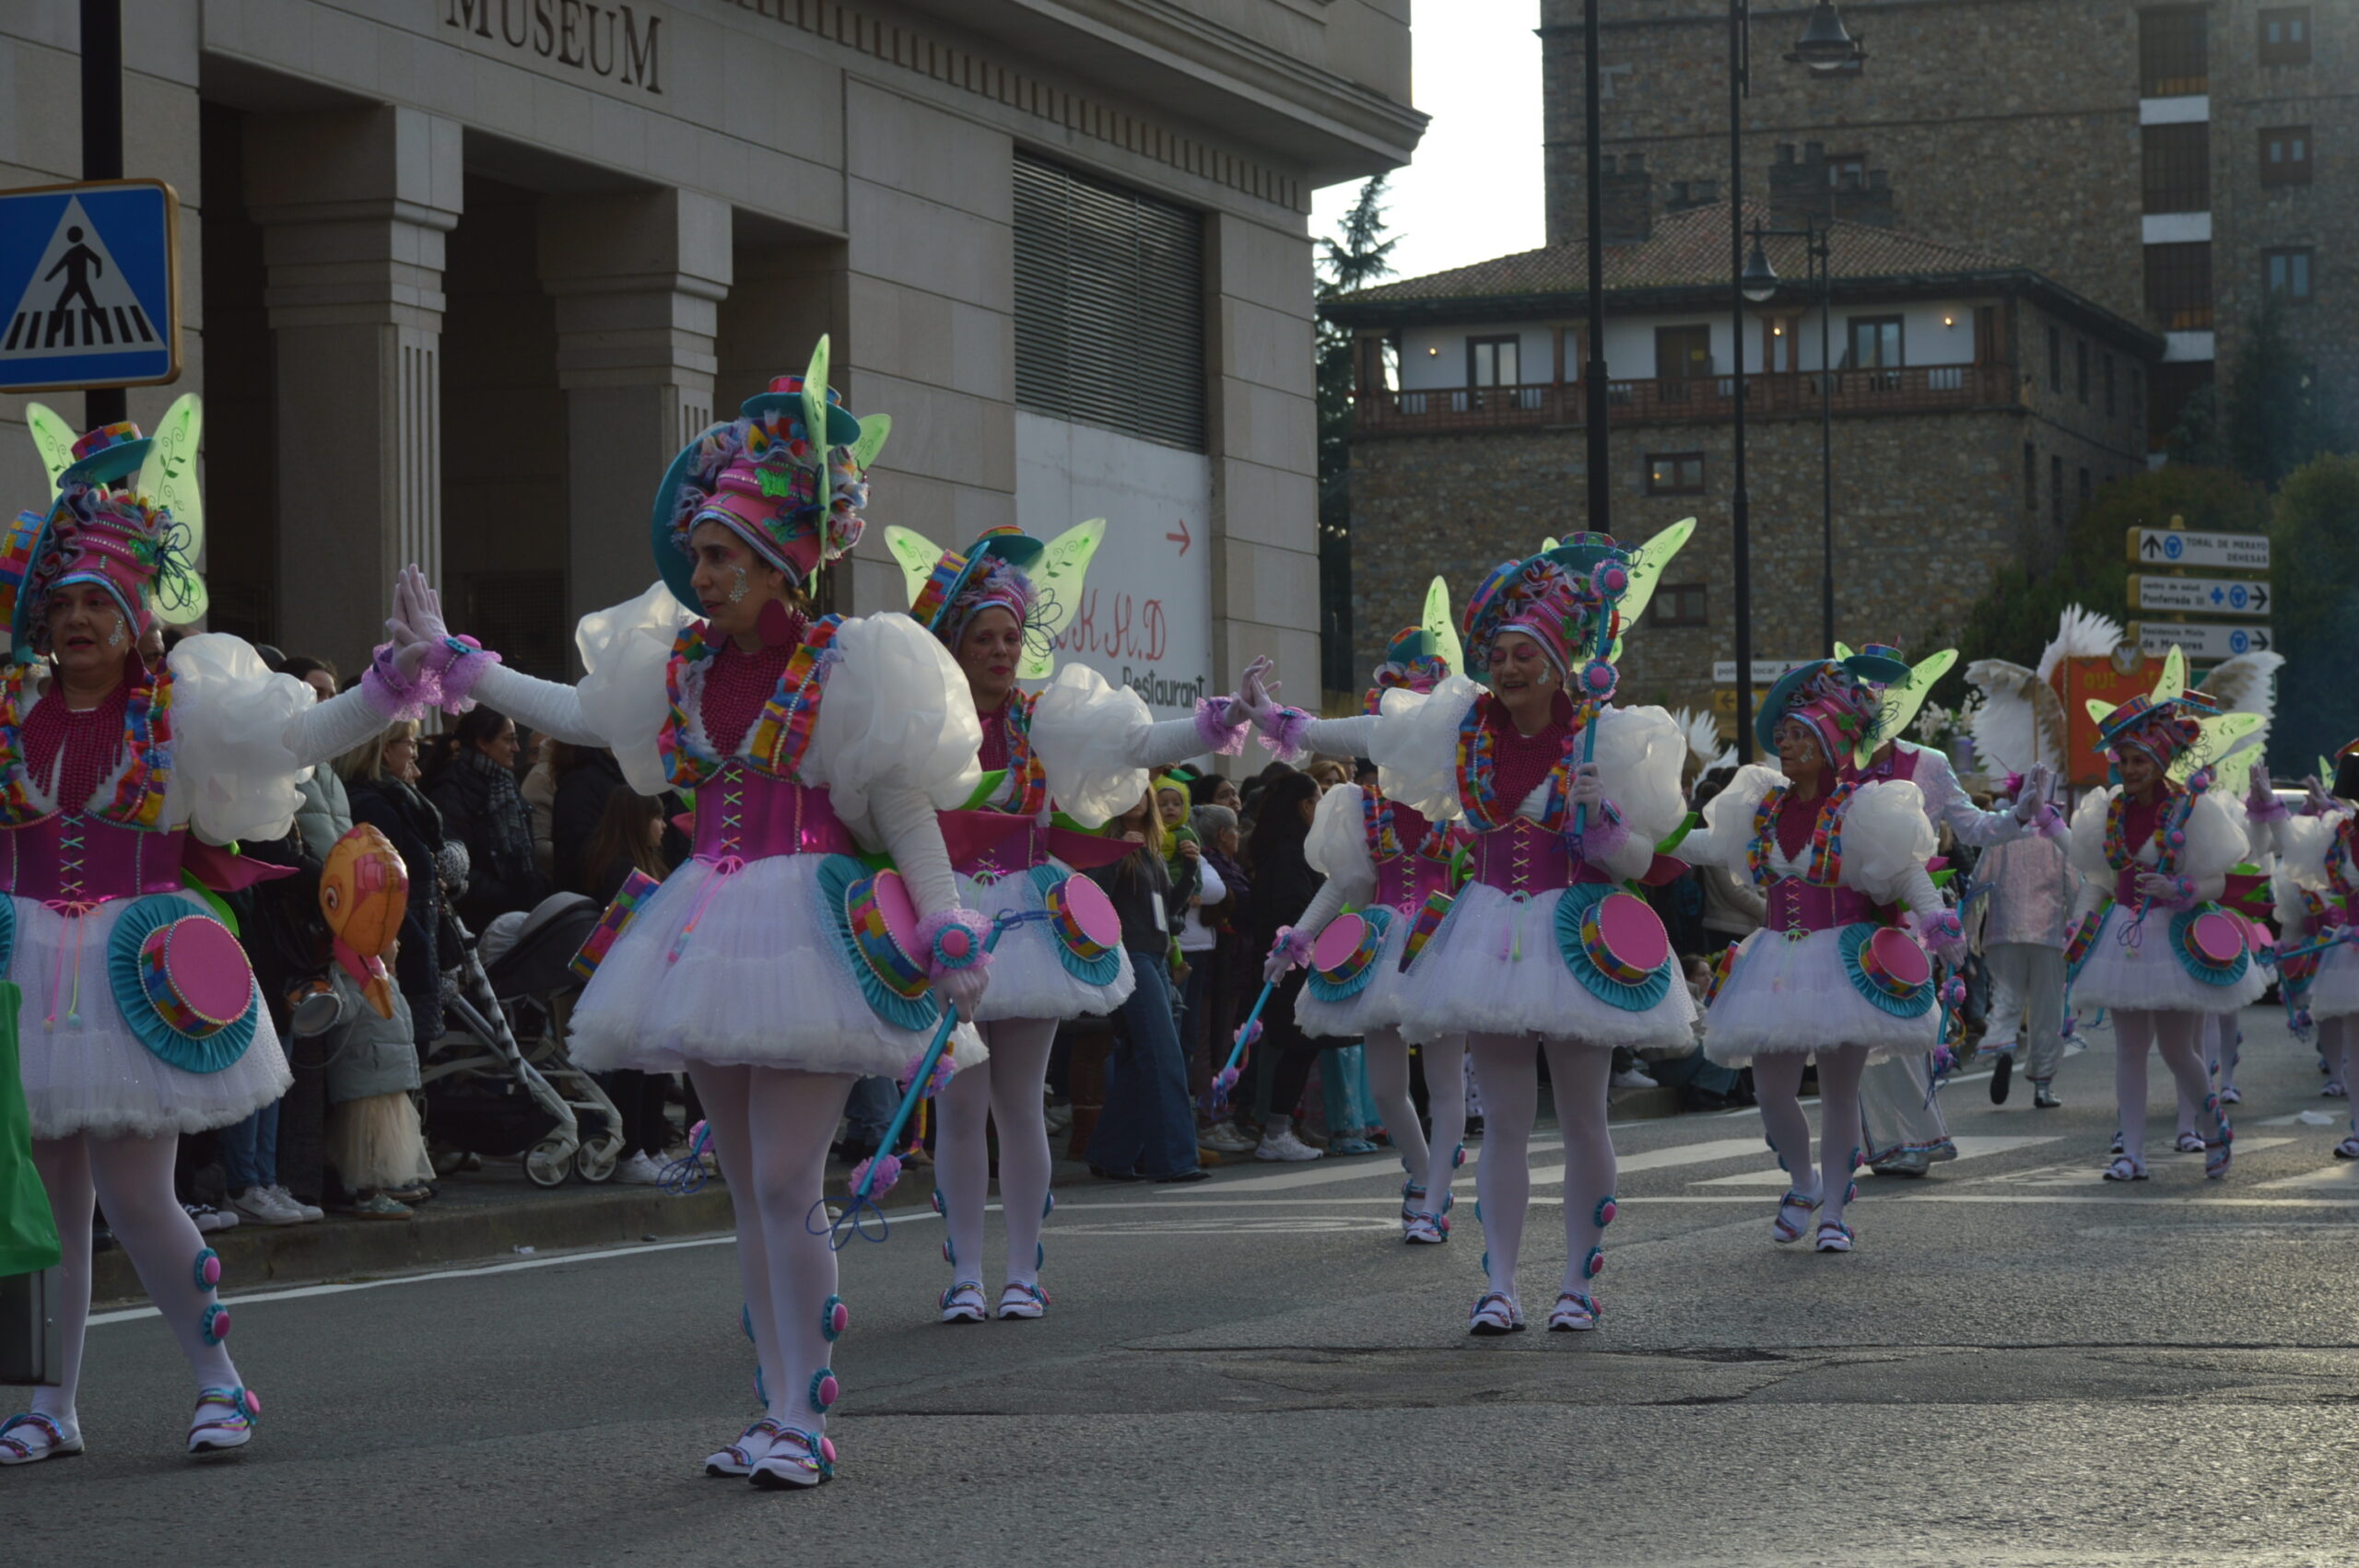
x: 1674, y: 473
x: 2176, y: 161
x: 1493, y: 362
x: 1847, y: 172
x: 1676, y: 604
x: 2031, y: 479
x: 1875, y: 343
x: 2055, y: 359
x: 2179, y: 286
x: 1682, y: 353
x: 2288, y: 273
x: 2285, y: 154
x: 2173, y: 52
x: 2080, y: 367
x: 2109, y: 386
x: 2285, y: 35
x: 2056, y: 488
x: 1110, y: 325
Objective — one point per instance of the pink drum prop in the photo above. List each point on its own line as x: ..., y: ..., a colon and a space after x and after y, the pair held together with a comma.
x: 1085, y: 918
x: 1338, y: 944
x: 1896, y: 960
x: 2216, y: 937
x: 1624, y: 938
x: 883, y: 924
x: 197, y: 975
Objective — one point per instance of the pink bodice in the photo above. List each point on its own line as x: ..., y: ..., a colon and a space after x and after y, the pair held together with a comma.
x: 1796, y: 907
x: 746, y: 814
x: 1523, y: 857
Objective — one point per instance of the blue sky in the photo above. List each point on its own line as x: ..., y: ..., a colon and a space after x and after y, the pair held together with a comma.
x: 1474, y: 189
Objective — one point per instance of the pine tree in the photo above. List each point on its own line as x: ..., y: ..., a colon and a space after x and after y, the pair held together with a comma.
x: 1353, y: 258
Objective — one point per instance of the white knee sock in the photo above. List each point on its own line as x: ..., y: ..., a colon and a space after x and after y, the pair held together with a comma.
x: 1778, y: 1085
x: 792, y: 1115
x: 2178, y: 1039
x: 1388, y: 1081
x: 1579, y: 1074
x: 2134, y: 1031
x: 1839, y: 1071
x: 1508, y: 1067
x: 64, y: 1167
x: 1019, y: 1073
x: 962, y: 1160
x: 132, y: 1178
x: 722, y: 1090
x: 1446, y: 1098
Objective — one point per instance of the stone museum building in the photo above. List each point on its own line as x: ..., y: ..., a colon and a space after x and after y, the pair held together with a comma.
x: 460, y: 276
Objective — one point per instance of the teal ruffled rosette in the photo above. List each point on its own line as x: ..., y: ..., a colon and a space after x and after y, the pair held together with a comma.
x: 1362, y: 969
x: 1091, y: 969
x: 2182, y: 949
x: 837, y: 876
x: 1914, y: 1003
x: 1573, y: 943
x: 211, y: 1053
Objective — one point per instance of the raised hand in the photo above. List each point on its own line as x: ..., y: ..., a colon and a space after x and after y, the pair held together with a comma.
x: 1254, y: 698
x: 962, y: 988
x: 1589, y: 786
x: 2034, y: 794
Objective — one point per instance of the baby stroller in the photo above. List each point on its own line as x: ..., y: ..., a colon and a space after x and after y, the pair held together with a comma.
x: 498, y: 1083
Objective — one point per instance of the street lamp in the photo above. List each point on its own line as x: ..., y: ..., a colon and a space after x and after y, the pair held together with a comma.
x: 1762, y: 280
x: 1601, y: 495
x: 1825, y: 46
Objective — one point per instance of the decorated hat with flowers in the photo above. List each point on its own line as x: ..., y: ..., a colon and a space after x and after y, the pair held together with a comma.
x: 1567, y: 599
x: 124, y: 515
x: 994, y: 571
x: 1839, y: 699
x: 1420, y: 658
x: 2164, y: 728
x: 786, y: 476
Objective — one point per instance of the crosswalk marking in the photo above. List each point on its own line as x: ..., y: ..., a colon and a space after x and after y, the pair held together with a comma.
x: 2081, y: 1174
x: 1967, y: 1149
x: 2341, y: 1173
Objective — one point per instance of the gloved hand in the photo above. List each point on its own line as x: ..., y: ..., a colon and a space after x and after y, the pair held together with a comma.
x: 1291, y: 949
x: 962, y: 988
x: 416, y: 625
x: 2034, y: 792
x: 1254, y: 700
x: 2156, y: 888
x: 1943, y: 935
x: 1589, y: 786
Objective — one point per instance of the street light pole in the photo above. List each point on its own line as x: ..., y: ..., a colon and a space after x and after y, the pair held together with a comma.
x: 1822, y: 256
x: 1601, y: 495
x: 1741, y: 507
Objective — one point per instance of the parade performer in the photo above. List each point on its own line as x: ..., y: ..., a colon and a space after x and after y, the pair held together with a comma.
x: 774, y: 967
x: 1378, y: 853
x: 2317, y: 908
x: 118, y: 779
x: 1566, y: 797
x: 1902, y: 1127
x: 2154, y: 849
x: 1058, y: 764
x: 2025, y: 921
x: 1837, y: 974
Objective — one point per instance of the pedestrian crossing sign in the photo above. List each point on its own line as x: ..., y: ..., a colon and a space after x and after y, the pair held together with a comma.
x: 90, y: 277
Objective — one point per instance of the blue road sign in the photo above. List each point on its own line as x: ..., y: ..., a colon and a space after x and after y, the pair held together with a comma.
x: 2171, y: 545
x: 90, y: 277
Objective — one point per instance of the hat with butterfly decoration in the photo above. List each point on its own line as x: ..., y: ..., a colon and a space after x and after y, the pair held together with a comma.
x: 124, y: 515
x: 1037, y: 582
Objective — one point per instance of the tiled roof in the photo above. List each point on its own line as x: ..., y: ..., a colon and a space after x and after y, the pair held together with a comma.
x: 1688, y: 250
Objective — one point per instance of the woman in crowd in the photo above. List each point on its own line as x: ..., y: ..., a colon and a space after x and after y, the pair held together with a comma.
x: 380, y: 780
x: 141, y: 1019
x: 1565, y: 796
x: 2154, y: 849
x: 1203, y: 933
x: 483, y: 808
x: 772, y: 966
x: 1824, y: 980
x: 1145, y: 1128
x: 1285, y: 887
x: 1074, y: 753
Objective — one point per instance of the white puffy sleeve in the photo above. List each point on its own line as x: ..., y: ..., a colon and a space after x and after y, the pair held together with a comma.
x: 2302, y: 845
x: 1415, y: 747
x: 625, y: 653
x: 896, y: 714
x: 1725, y: 835
x: 1639, y: 753
x: 1948, y: 805
x: 242, y: 739
x: 2215, y: 845
x: 2087, y: 850
x: 1887, y: 838
x: 1095, y: 742
x: 1337, y: 847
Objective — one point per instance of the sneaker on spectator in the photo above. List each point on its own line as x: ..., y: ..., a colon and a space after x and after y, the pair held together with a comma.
x: 637, y: 1171
x: 1280, y: 1143
x: 1634, y: 1078
x: 309, y: 1211
x: 1226, y: 1138
x: 377, y: 1206
x: 264, y: 1207
x: 210, y: 1219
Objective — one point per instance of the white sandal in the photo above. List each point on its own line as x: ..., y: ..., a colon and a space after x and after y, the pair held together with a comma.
x: 1022, y: 1302
x: 29, y: 1437
x: 739, y: 1458
x: 963, y: 1303
x: 1496, y: 1314
x: 232, y: 1428
x: 796, y: 1461
x: 1575, y: 1314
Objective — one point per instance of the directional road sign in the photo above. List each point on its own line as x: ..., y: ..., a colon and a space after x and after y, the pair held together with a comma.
x: 2177, y: 547
x: 2205, y: 642
x: 1765, y: 671
x: 2200, y: 595
x: 90, y: 277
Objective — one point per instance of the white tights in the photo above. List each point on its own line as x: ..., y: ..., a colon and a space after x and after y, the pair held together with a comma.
x: 2334, y: 1048
x: 1387, y: 1080
x: 133, y: 1177
x: 1507, y: 1066
x: 2221, y: 1042
x: 2176, y: 1036
x: 1007, y: 1088
x: 771, y: 1128
x: 1777, y: 1083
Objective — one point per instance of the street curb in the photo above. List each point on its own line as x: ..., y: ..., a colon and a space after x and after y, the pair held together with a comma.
x: 339, y: 1249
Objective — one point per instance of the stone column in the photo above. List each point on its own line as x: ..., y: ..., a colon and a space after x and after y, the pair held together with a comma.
x: 353, y: 205
x: 637, y: 279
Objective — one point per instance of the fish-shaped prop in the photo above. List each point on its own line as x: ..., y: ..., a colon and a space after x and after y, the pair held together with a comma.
x: 364, y: 893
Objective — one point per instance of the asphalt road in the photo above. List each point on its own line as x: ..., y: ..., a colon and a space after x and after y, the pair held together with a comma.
x: 2021, y: 1365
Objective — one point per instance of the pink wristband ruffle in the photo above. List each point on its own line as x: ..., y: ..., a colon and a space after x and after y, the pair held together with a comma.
x: 1219, y: 736
x: 945, y: 953
x: 1605, y: 834
x: 446, y: 679
x: 1286, y: 731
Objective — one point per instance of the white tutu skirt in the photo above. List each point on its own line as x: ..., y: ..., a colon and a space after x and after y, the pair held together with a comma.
x: 2149, y: 976
x: 1783, y: 996
x: 84, y: 1070
x: 1380, y: 1003
x: 1493, y: 969
x: 2334, y: 990
x: 1029, y: 978
x: 760, y: 983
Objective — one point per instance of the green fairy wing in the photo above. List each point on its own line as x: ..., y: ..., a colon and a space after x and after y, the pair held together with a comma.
x: 167, y: 480
x: 1058, y: 578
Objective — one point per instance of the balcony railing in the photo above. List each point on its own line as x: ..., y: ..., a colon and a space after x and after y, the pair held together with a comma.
x: 1919, y: 388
